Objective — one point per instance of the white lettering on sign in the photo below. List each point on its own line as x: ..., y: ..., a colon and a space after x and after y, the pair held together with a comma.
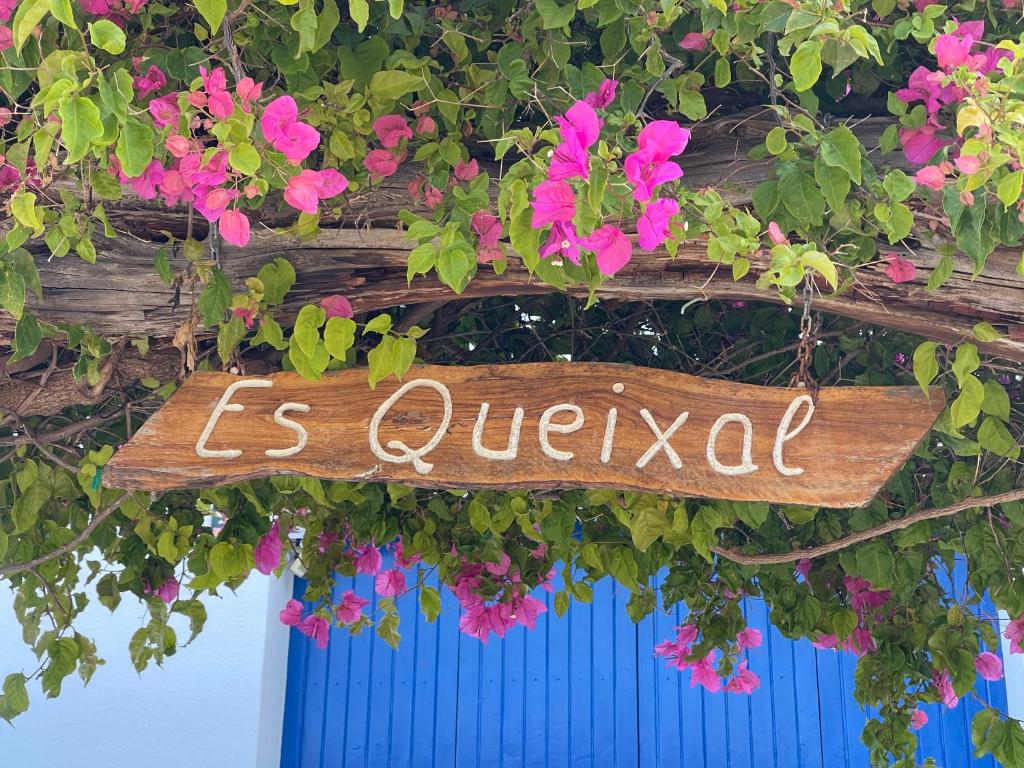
x: 545, y: 426
x: 224, y: 405
x: 746, y: 465
x: 397, y: 452
x: 407, y: 454
x: 784, y: 435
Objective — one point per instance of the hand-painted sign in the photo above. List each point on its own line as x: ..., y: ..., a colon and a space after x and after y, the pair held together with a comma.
x: 545, y: 425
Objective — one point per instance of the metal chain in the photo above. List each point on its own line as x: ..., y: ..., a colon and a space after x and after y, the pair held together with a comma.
x: 805, y: 349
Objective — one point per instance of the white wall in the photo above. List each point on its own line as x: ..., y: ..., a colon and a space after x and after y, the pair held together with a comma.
x: 219, y: 699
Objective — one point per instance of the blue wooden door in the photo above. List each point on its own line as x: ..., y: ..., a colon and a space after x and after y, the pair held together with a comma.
x: 583, y: 691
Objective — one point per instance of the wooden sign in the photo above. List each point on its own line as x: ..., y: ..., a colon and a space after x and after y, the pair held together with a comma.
x: 545, y: 425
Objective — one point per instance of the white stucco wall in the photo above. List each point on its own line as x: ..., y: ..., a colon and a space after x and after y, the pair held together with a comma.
x: 219, y: 701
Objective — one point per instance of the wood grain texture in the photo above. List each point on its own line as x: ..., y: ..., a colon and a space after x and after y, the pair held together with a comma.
x: 856, y: 439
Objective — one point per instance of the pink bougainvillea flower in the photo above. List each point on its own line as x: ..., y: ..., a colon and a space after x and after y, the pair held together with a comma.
x: 611, y: 247
x: 702, y: 672
x: 234, y: 228
x: 803, y: 568
x: 487, y: 227
x: 390, y: 583
x: 7, y: 8
x: 603, y: 97
x: 563, y: 240
x: 212, y: 203
x: 168, y: 591
x: 552, y: 201
x: 291, y: 614
x: 6, y: 38
x: 282, y: 128
x: 899, y: 269
x: 425, y: 125
x: 927, y: 86
x: 744, y: 681
x: 218, y: 100
x: 306, y: 189
x: 989, y: 666
x: 467, y: 171
x: 649, y: 166
x: 177, y: 145
x: 402, y: 560
x: 248, y: 91
x: 1014, y: 632
x: 499, y: 568
x: 968, y: 164
x: 350, y: 609
x: 918, y: 720
x: 579, y: 129
x: 146, y: 184
x: 368, y: 560
x: 528, y: 610
x: 332, y: 183
x: 921, y: 144
x: 151, y: 82
x: 480, y: 620
x: 775, y: 234
x: 944, y: 687
x: 325, y: 540
x: 653, y: 224
x: 432, y: 196
x: 748, y: 638
x: 248, y: 315
x: 317, y: 628
x: 391, y: 129
x: 694, y: 41
x: 954, y: 50
x: 267, y: 552
x: 931, y: 176
x: 380, y: 163
x: 336, y: 305
x: 826, y: 642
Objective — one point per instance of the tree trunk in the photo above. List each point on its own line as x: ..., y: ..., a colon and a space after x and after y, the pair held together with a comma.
x: 364, y: 258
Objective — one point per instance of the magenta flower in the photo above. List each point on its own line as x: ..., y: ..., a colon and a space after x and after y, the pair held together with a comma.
x: 467, y: 171
x: 952, y: 51
x: 776, y: 236
x: 306, y: 189
x: 611, y: 247
x: 487, y: 227
x: 1014, y: 632
x: 649, y: 166
x: 702, y: 672
x: 989, y: 666
x: 653, y: 224
x: 826, y: 643
x: 218, y: 100
x: 177, y: 145
x: 146, y: 184
x: 694, y: 41
x: 944, y: 687
x: 350, y: 609
x: 603, y: 97
x: 248, y: 91
x: 336, y: 305
x: 931, y: 176
x: 291, y: 614
x: 744, y: 681
x: 168, y: 591
x: 528, y: 610
x: 499, y: 568
x: 317, y: 628
x: 563, y: 240
x: 151, y: 82
x: 967, y: 164
x: 899, y: 269
x: 267, y: 552
x: 552, y: 201
x: 579, y: 130
x: 925, y: 85
x: 380, y: 163
x: 748, y: 638
x: 6, y: 37
x: 918, y: 720
x: 920, y: 144
x: 425, y: 125
x: 234, y: 228
x: 803, y: 568
x: 368, y: 560
x: 282, y: 128
x: 390, y: 583
x: 7, y: 8
x: 391, y: 129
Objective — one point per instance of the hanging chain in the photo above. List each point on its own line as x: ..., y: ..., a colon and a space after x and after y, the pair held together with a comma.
x: 805, y: 348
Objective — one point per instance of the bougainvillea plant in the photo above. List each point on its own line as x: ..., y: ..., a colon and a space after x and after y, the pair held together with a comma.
x: 226, y: 156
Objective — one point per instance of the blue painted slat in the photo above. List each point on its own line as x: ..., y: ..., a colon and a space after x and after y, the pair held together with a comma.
x: 581, y: 691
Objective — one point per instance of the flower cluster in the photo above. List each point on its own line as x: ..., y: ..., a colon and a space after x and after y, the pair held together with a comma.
x: 554, y: 200
x: 866, y: 602
x: 494, y: 599
x: 703, y: 671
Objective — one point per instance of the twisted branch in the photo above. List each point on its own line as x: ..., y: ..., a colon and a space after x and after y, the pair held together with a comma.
x: 871, y: 533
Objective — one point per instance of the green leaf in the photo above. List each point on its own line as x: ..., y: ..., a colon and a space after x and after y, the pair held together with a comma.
x: 14, y: 700
x: 943, y: 271
x: 823, y: 265
x: 12, y: 293
x: 359, y: 12
x: 309, y: 366
x: 801, y: 197
x: 229, y: 336
x: 479, y: 517
x: 986, y: 332
x: 213, y: 12
x: 404, y: 353
x: 926, y: 366
x: 966, y: 362
x: 646, y: 526
x: 967, y: 405
x: 196, y: 613
x: 108, y: 36
x: 306, y: 333
x: 996, y: 438
x: 62, y: 11
x: 135, y: 147
x: 555, y: 15
x: 841, y: 149
x: 421, y: 261
x: 245, y: 159
x: 875, y: 562
x: 63, y: 653
x: 753, y: 513
x: 326, y: 23
x: 453, y: 268
x: 996, y: 401
x: 215, y: 299
x: 339, y: 336
x: 775, y: 141
x: 277, y: 277
x: 23, y: 207
x: 380, y: 324
x: 80, y: 126
x: 29, y: 14
x: 1009, y: 188
x: 805, y: 65
x: 394, y: 83
x: 430, y: 603
x: 27, y: 335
